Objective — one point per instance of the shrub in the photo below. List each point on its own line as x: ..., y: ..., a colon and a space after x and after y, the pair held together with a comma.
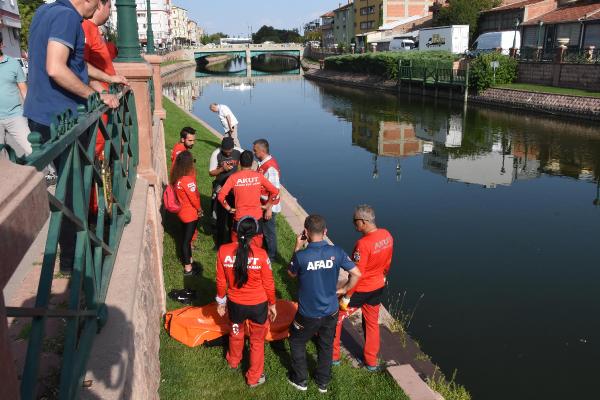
x: 482, y: 74
x: 385, y: 64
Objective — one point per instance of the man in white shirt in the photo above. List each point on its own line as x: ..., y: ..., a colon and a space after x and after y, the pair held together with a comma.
x: 228, y: 120
x: 267, y: 165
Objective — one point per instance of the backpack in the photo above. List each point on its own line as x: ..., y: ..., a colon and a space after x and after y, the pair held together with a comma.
x: 170, y: 200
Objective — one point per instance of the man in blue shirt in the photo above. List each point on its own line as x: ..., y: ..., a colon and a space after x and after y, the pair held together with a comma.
x: 13, y: 126
x: 58, y: 74
x: 317, y: 268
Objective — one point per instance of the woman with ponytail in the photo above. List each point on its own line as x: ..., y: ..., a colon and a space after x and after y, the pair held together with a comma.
x: 246, y: 291
x: 183, y: 180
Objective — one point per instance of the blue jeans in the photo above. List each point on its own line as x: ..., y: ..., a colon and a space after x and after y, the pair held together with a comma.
x: 270, y: 235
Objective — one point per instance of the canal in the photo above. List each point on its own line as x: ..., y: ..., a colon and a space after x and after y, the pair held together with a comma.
x: 495, y: 215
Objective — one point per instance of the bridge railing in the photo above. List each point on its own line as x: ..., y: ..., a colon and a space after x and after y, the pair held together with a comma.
x: 82, y: 177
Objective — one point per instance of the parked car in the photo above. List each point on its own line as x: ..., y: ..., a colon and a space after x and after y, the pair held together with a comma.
x: 495, y: 41
x: 402, y: 44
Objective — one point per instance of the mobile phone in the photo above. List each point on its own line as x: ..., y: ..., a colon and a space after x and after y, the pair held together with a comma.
x: 303, y: 236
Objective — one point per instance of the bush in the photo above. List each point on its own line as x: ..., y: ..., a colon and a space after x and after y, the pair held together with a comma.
x: 482, y: 74
x: 385, y: 64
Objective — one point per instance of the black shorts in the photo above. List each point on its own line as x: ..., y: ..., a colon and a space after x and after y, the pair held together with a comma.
x: 371, y: 298
x: 238, y: 313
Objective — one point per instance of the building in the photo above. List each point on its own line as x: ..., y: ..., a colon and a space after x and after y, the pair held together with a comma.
x: 160, y: 10
x: 10, y: 26
x: 573, y: 24
x: 312, y: 26
x: 179, y: 25
x: 327, y: 30
x: 192, y: 28
x: 503, y: 17
x: 371, y: 14
x: 343, y: 25
x: 199, y: 34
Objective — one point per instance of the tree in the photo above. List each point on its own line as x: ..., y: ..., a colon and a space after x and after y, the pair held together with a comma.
x: 268, y: 33
x: 464, y: 12
x: 26, y: 10
x: 213, y: 38
x: 313, y: 36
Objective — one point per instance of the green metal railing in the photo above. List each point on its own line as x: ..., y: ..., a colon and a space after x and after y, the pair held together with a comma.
x: 433, y: 75
x: 72, y: 149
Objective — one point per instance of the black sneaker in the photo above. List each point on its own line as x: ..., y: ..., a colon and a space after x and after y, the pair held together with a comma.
x: 191, y: 272
x: 298, y: 385
x: 322, y: 388
x: 184, y: 296
x: 261, y: 380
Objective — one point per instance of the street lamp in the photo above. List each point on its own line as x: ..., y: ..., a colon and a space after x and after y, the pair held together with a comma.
x: 149, y: 32
x: 128, y: 40
x: 514, y: 46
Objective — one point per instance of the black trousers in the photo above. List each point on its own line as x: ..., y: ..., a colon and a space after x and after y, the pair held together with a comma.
x: 188, y: 230
x: 301, y: 331
x: 224, y: 222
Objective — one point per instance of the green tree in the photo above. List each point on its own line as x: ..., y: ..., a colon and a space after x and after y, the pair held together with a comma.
x: 464, y: 12
x: 268, y: 33
x: 26, y: 10
x: 213, y: 38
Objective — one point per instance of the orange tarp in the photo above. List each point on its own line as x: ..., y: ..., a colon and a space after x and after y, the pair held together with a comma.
x: 193, y: 326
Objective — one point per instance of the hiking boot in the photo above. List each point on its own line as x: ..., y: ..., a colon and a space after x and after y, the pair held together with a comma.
x: 298, y: 385
x: 261, y: 380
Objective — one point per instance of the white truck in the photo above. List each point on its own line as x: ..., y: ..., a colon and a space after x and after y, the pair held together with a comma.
x: 454, y: 38
x: 496, y: 41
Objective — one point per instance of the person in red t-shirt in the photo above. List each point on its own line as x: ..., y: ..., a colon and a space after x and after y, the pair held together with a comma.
x: 373, y: 257
x: 187, y: 138
x: 247, y: 186
x: 246, y: 291
x: 183, y: 179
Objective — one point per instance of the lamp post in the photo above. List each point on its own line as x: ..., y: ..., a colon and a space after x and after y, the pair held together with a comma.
x: 149, y: 32
x: 128, y: 41
x: 514, y: 46
x: 539, y: 39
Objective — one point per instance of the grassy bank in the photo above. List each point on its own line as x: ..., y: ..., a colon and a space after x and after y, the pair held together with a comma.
x: 202, y: 372
x: 169, y: 62
x: 548, y: 89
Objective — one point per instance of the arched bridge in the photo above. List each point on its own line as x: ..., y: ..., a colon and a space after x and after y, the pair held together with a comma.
x: 252, y: 50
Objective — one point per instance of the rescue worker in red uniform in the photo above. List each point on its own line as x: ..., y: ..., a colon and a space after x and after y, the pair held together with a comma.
x: 246, y: 292
x: 183, y: 179
x: 247, y: 186
x: 187, y: 138
x: 373, y: 257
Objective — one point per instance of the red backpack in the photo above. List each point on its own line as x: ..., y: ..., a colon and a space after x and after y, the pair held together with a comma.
x: 170, y: 200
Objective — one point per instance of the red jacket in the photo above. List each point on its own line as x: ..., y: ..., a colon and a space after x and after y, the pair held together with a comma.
x: 189, y: 198
x: 247, y: 186
x: 373, y: 257
x: 260, y: 286
x: 178, y: 148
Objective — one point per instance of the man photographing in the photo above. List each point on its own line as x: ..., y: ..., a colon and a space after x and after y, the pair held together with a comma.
x: 317, y: 267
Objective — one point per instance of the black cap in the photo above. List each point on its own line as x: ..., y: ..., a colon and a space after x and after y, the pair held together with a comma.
x: 227, y: 143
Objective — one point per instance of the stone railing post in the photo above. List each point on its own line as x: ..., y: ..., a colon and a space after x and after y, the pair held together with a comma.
x: 155, y: 61
x: 23, y: 212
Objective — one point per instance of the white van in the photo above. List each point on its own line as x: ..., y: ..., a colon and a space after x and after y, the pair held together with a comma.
x: 492, y: 41
x: 401, y: 44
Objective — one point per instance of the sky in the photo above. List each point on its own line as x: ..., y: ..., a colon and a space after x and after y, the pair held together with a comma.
x: 235, y: 17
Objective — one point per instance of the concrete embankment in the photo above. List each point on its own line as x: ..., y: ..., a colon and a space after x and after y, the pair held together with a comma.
x: 570, y: 106
x: 406, y: 362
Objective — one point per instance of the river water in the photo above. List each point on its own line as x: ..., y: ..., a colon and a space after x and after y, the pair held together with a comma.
x: 495, y: 217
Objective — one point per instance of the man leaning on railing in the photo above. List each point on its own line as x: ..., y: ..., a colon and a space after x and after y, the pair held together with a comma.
x: 59, y: 80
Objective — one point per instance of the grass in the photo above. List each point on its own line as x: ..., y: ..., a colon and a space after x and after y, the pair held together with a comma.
x: 548, y: 89
x: 202, y: 372
x: 169, y: 62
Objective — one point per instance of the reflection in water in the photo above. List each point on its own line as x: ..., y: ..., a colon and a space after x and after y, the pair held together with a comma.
x: 235, y: 65
x: 463, y: 149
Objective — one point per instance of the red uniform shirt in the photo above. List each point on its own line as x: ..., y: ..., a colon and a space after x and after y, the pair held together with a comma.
x: 178, y: 148
x: 373, y: 257
x: 96, y: 53
x: 189, y: 198
x: 260, y: 286
x: 262, y: 169
x: 247, y: 186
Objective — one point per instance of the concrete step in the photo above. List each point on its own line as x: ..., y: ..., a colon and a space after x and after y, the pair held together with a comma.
x: 412, y: 384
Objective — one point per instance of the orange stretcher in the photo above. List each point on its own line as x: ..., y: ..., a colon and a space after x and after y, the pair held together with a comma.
x: 193, y: 326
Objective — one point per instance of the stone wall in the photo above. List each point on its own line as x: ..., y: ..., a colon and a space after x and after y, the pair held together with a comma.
x: 572, y: 106
x: 576, y: 76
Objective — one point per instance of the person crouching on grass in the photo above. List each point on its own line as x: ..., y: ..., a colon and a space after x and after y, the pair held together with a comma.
x: 183, y: 179
x: 246, y: 291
